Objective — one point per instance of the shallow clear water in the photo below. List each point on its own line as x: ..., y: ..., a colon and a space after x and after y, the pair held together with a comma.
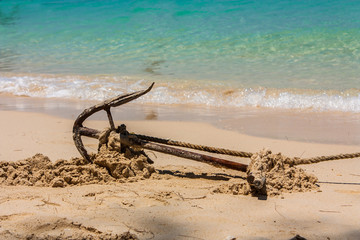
x: 274, y: 54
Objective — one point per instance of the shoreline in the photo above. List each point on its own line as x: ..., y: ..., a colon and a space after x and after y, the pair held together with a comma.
x: 185, y: 92
x: 305, y: 126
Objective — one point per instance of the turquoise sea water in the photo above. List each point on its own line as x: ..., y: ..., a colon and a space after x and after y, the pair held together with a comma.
x: 282, y: 54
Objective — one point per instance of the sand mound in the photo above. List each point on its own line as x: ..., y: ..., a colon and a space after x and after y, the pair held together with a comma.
x: 79, y: 235
x: 61, y: 229
x: 108, y: 166
x: 278, y: 174
x: 268, y: 173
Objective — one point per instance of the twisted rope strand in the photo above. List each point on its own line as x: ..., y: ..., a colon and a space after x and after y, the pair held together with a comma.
x: 298, y: 161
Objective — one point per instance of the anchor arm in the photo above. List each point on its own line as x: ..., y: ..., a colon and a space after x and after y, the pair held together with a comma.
x: 106, y: 105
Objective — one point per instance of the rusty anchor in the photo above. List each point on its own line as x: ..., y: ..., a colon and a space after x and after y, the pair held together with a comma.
x: 145, y: 142
x: 125, y: 140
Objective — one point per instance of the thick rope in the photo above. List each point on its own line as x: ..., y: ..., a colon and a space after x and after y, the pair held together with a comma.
x: 195, y: 146
x: 294, y: 161
x: 298, y: 161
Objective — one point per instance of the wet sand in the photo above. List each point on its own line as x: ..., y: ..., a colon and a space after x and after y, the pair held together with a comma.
x: 305, y: 125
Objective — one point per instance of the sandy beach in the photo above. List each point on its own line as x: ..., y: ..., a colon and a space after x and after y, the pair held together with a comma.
x: 179, y: 200
x: 275, y: 83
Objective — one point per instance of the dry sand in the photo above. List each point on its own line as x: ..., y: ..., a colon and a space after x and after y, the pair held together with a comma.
x: 181, y: 200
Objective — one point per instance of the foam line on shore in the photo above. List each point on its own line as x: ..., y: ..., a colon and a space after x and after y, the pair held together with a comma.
x: 202, y: 93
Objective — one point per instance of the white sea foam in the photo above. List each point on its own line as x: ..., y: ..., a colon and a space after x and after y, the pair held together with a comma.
x: 102, y: 87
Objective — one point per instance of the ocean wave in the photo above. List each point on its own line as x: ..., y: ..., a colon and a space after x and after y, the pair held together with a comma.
x: 211, y: 94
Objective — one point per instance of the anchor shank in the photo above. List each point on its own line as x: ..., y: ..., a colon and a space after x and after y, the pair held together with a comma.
x: 129, y: 140
x: 195, y: 156
x: 89, y: 132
